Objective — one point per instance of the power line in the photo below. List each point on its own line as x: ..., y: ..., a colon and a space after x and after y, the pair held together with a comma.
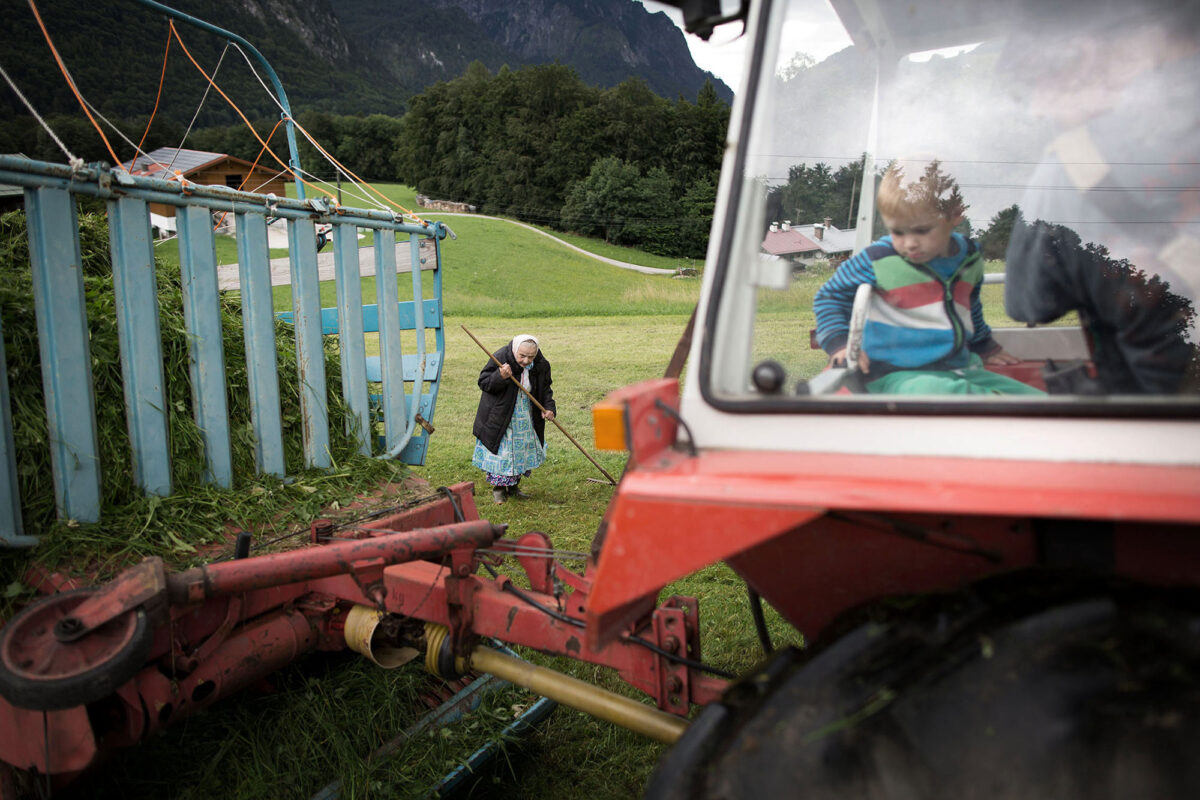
x: 207, y: 88
x: 803, y: 158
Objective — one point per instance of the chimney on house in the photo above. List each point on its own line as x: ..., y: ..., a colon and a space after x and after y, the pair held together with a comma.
x: 829, y: 222
x: 787, y: 225
x: 818, y: 231
x: 774, y: 227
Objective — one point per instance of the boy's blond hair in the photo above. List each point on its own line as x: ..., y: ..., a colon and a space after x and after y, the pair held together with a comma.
x: 934, y: 191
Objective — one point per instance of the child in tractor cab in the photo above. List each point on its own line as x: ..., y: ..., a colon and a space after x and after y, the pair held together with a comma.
x: 925, y: 332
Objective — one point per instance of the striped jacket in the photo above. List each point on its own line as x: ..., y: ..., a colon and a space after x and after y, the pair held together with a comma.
x: 922, y: 316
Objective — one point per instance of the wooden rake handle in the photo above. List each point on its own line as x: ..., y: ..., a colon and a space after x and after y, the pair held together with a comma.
x: 533, y: 400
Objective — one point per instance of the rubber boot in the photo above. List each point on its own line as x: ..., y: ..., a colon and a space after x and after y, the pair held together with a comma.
x: 515, y: 490
x: 499, y: 495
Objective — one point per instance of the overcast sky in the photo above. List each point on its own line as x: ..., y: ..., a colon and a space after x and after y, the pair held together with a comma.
x: 724, y: 53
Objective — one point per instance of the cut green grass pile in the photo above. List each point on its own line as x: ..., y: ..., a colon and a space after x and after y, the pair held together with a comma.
x: 324, y: 720
x: 132, y: 524
x: 601, y: 327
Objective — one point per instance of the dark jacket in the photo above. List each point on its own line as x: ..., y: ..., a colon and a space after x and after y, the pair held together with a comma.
x: 1137, y: 326
x: 499, y: 397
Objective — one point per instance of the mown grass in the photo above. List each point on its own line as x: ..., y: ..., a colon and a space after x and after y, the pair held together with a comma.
x: 522, y: 274
x: 622, y: 253
x: 601, y: 327
x: 225, y: 246
x: 518, y: 273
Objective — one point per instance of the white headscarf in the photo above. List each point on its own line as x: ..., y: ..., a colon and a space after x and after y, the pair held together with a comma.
x: 520, y: 338
x: 517, y: 341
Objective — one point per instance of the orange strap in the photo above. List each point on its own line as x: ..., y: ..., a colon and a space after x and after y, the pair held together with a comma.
x: 63, y: 68
x: 233, y: 105
x: 338, y: 164
x: 157, y: 97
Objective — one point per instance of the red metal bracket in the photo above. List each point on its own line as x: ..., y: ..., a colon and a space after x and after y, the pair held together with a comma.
x: 368, y: 574
x: 187, y: 663
x: 539, y: 568
x: 143, y: 585
x: 460, y: 591
x: 671, y: 634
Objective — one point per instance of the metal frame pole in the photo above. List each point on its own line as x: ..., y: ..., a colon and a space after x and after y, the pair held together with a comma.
x: 293, y: 153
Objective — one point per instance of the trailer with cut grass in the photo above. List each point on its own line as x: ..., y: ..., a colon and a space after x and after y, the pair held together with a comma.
x: 999, y: 595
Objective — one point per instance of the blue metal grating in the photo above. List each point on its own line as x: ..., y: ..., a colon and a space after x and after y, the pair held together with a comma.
x: 50, y: 201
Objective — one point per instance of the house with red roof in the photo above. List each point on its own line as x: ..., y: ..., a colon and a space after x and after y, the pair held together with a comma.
x: 804, y: 244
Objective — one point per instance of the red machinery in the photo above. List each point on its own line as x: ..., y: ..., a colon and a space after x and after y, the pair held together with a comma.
x: 1000, y: 594
x: 89, y: 670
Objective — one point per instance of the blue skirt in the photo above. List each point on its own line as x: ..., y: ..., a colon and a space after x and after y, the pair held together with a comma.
x: 519, y: 453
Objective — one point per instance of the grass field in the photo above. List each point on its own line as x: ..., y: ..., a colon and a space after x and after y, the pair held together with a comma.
x: 602, y: 328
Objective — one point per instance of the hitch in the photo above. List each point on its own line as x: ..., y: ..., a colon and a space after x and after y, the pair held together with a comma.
x: 580, y: 695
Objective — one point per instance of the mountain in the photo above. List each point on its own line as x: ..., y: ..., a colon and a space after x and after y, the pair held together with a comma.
x: 341, y: 56
x: 606, y: 41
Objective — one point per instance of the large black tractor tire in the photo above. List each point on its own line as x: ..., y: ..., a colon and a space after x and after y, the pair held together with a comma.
x: 1096, y: 696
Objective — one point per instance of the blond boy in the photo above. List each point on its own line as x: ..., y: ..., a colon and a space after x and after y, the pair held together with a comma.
x: 925, y: 332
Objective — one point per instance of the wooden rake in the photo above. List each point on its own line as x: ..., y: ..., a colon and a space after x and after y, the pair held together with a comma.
x: 533, y: 400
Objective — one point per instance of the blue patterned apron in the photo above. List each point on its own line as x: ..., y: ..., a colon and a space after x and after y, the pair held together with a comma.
x: 519, y: 453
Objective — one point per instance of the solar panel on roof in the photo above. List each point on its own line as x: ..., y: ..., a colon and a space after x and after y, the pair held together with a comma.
x: 180, y: 159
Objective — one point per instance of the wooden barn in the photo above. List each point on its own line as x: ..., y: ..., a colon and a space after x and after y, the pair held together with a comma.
x: 209, y: 169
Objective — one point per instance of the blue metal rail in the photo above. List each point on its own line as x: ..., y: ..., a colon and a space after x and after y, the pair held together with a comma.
x: 50, y: 201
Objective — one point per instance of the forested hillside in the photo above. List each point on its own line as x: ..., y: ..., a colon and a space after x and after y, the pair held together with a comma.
x: 540, y: 145
x: 621, y: 137
x: 419, y: 42
x: 344, y: 57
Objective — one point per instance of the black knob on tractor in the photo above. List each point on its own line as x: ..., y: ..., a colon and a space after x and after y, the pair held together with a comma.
x: 241, y: 548
x: 768, y: 376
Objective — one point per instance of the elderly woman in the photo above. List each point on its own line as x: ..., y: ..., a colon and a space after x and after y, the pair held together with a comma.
x: 510, y: 431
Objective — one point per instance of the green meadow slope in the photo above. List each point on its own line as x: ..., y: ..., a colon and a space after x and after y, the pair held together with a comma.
x: 602, y: 327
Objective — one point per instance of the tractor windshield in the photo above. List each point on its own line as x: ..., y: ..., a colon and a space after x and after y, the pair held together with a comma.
x: 963, y: 203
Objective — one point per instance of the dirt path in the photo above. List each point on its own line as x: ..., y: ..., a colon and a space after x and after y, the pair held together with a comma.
x: 281, y: 268
x: 281, y: 275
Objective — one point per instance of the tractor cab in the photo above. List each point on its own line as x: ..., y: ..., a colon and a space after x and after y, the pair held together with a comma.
x: 955, y: 562
x: 1069, y: 131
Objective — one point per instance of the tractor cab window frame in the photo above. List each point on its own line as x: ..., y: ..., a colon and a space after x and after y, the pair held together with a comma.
x: 732, y: 374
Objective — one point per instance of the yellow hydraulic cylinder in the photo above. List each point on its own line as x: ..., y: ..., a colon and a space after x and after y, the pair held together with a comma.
x: 577, y: 694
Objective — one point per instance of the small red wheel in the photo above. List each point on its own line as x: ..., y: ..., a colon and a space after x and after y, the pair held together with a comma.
x: 37, y: 671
